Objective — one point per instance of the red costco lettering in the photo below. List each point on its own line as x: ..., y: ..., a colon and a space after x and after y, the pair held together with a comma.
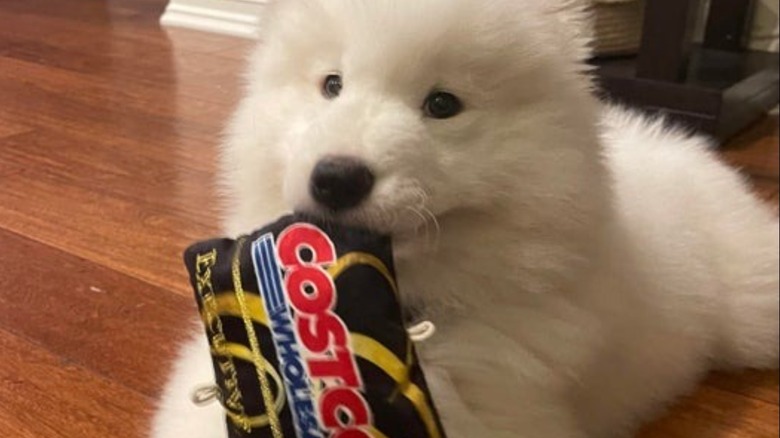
x: 341, y: 367
x: 302, y: 236
x: 321, y: 333
x: 343, y: 401
x: 304, y: 252
x: 311, y: 290
x: 352, y: 433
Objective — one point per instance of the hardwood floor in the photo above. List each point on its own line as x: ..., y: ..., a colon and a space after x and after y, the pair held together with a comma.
x: 107, y: 133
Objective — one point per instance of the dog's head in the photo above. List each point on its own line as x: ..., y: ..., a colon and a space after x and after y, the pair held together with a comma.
x: 386, y: 112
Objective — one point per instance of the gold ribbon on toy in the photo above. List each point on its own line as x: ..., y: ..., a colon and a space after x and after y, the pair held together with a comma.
x: 250, y: 308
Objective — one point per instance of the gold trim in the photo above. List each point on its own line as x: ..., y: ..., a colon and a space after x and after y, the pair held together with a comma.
x: 233, y: 398
x: 228, y: 306
x: 409, y: 364
x: 257, y: 355
x: 364, y: 347
x: 241, y: 352
x: 373, y: 351
x: 361, y: 258
x: 376, y: 433
x: 250, y: 307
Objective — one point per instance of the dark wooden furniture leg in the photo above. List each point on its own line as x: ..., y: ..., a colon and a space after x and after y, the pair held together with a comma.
x: 717, y: 87
x: 667, y: 39
x: 728, y: 24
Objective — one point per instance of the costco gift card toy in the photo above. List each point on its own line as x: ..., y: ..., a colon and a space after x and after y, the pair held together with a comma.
x: 307, y: 335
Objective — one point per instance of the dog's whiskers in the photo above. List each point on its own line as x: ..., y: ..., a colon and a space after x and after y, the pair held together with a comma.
x: 427, y: 218
x: 423, y: 222
x: 437, y: 226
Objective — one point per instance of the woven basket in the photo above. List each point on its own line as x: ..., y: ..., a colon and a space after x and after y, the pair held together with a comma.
x: 617, y: 26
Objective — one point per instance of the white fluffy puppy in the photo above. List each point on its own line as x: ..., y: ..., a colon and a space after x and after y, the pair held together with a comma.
x: 584, y: 266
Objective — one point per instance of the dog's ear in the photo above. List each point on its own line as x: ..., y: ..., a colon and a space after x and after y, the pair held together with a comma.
x: 575, y: 19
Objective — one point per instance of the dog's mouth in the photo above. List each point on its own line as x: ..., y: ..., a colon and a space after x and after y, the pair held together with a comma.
x: 405, y: 223
x: 360, y: 218
x: 345, y: 219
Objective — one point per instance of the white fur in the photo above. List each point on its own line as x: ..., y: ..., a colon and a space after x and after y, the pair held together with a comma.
x: 584, y: 265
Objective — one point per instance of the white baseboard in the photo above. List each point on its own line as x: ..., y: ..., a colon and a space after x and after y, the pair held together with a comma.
x: 229, y: 17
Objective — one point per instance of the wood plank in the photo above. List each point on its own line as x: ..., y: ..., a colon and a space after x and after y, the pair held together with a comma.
x: 8, y: 168
x: 55, y: 44
x: 240, y: 53
x: 193, y: 117
x: 756, y: 150
x: 45, y: 397
x: 142, y: 243
x: 114, y: 125
x: 9, y: 128
x: 714, y: 413
x: 105, y: 322
x: 199, y: 42
x: 132, y: 171
x: 148, y: 210
x: 118, y: 160
x: 768, y: 190
x: 10, y: 422
x: 134, y: 20
x: 159, y: 100
x: 759, y: 385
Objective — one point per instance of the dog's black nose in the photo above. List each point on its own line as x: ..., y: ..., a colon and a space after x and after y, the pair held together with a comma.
x: 341, y: 183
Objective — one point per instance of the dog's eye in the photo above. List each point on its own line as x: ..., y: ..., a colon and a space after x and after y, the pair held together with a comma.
x: 442, y: 105
x: 331, y: 87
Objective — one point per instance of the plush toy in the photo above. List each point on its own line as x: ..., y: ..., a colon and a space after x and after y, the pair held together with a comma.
x: 307, y: 335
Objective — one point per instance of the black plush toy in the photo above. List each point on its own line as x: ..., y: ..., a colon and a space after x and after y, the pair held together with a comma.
x: 307, y: 335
